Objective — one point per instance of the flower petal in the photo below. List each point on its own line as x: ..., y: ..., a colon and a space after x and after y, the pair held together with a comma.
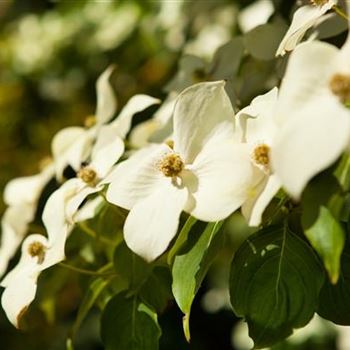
x: 14, y: 225
x: 18, y: 295
x: 262, y: 195
x: 198, y: 110
x: 71, y: 146
x: 136, y: 104
x: 304, y: 18
x: 54, y: 213
x: 141, y: 133
x: 152, y: 223
x: 73, y: 203
x: 137, y: 177
x: 223, y: 174
x: 310, y: 143
x: 106, y: 152
x: 157, y: 128
x: 21, y: 282
x: 88, y: 211
x: 308, y: 73
x: 106, y: 99
x: 256, y: 122
x: 27, y: 190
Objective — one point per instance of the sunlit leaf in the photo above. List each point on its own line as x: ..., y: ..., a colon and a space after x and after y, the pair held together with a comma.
x: 191, y: 265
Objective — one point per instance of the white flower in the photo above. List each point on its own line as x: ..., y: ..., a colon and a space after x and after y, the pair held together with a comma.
x: 38, y: 254
x: 255, y: 14
x: 22, y: 196
x: 258, y: 129
x: 90, y: 178
x: 156, y: 129
x: 315, y: 123
x: 72, y: 145
x: 304, y: 18
x: 21, y: 283
x: 204, y: 172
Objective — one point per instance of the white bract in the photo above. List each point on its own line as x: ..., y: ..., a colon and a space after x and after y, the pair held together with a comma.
x: 258, y: 129
x: 90, y: 178
x: 22, y: 196
x: 312, y: 113
x: 38, y: 254
x: 156, y: 129
x: 205, y: 172
x: 255, y: 14
x: 304, y: 18
x: 73, y: 145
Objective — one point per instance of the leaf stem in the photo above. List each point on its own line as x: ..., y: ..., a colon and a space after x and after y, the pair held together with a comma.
x: 93, y: 234
x: 86, y: 272
x: 340, y: 12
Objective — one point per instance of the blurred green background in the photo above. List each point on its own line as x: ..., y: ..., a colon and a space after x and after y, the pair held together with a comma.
x: 51, y: 53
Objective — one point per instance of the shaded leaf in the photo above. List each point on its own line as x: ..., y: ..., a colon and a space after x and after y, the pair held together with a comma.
x: 130, y: 266
x: 90, y: 297
x: 334, y: 301
x: 262, y: 41
x: 128, y: 324
x: 274, y: 284
x: 156, y: 291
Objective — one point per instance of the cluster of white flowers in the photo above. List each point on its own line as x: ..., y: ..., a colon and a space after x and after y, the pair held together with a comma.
x: 211, y: 162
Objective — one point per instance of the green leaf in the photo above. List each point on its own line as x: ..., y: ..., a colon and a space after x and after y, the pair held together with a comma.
x: 342, y: 172
x: 227, y: 59
x: 331, y: 26
x: 191, y: 265
x: 182, y: 238
x: 320, y: 226
x: 326, y: 235
x: 274, y: 284
x: 94, y: 291
x: 128, y: 324
x: 130, y: 266
x: 262, y: 41
x: 334, y: 300
x: 156, y: 291
x: 69, y: 344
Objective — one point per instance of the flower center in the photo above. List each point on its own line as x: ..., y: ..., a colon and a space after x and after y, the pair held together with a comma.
x: 90, y: 121
x: 171, y: 165
x: 318, y: 2
x: 88, y: 175
x: 340, y: 86
x: 37, y: 249
x: 261, y: 155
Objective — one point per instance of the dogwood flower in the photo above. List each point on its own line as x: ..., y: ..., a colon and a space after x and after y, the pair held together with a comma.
x: 304, y: 18
x: 156, y: 129
x: 314, y: 121
x: 72, y: 145
x: 204, y: 171
x: 90, y: 178
x: 258, y: 129
x: 38, y: 253
x: 22, y: 196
